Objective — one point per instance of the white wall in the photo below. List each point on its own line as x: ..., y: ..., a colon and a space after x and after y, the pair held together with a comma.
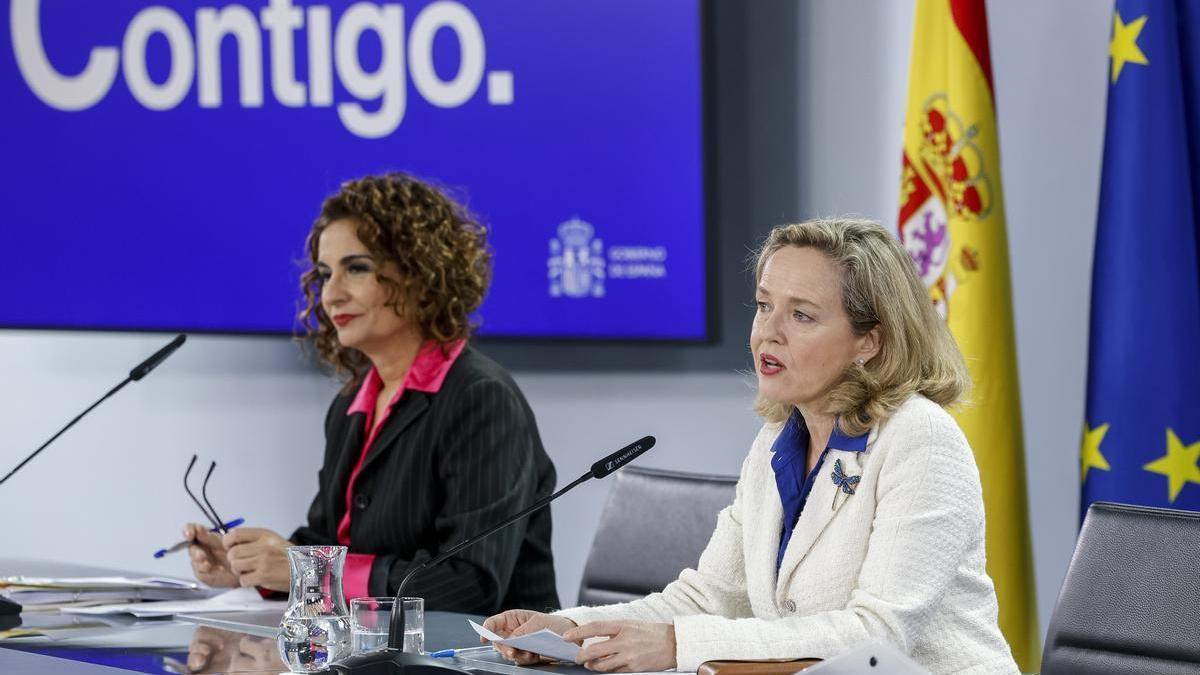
x: 1050, y: 61
x: 109, y: 492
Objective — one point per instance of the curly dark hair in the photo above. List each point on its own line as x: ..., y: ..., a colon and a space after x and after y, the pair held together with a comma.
x: 438, y: 247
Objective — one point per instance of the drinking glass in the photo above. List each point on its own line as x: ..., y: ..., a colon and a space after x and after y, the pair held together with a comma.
x: 370, y: 619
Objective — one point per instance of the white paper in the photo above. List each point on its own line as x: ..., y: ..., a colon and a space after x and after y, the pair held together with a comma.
x: 121, y: 583
x: 545, y: 642
x: 55, y: 597
x: 236, y: 600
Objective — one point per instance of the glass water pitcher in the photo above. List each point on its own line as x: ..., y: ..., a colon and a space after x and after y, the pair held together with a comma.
x: 315, y: 631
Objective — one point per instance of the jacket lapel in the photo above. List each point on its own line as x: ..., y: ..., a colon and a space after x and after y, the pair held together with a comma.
x: 767, y: 539
x: 819, y: 511
x: 335, y: 489
x: 411, y: 406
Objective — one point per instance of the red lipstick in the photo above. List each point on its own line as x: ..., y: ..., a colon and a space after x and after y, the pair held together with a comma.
x: 769, y: 365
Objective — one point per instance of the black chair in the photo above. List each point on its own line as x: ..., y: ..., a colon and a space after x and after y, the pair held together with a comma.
x: 654, y: 525
x: 1131, y: 600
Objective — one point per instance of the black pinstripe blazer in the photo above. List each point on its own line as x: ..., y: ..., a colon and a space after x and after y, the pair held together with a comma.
x: 444, y: 466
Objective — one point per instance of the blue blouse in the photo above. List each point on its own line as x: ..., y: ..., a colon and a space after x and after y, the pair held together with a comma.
x: 790, y: 454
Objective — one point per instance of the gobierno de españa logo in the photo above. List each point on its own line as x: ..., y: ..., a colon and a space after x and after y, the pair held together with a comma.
x: 579, y: 266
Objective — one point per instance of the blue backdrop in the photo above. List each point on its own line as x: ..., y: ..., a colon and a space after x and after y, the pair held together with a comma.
x: 142, y: 194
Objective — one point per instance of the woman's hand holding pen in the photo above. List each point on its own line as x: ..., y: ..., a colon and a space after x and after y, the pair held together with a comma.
x: 209, y: 560
x: 258, y: 557
x: 246, y: 556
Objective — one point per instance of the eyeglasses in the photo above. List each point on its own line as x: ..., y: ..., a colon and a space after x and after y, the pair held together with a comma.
x: 209, y: 512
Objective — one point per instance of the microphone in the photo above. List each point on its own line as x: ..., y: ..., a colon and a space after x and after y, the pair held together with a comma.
x: 395, y: 661
x: 623, y: 456
x: 134, y: 375
x: 142, y: 369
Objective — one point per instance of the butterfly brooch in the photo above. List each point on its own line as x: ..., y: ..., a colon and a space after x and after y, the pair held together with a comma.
x: 841, y: 480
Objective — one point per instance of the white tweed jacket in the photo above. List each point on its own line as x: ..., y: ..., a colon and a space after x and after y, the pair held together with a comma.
x: 901, y: 559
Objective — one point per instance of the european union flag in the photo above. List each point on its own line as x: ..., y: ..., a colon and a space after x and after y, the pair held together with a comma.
x: 1141, y: 438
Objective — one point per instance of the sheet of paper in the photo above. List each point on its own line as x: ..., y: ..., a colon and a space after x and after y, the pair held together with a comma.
x: 545, y: 642
x: 97, y: 582
x: 46, y: 597
x: 236, y: 600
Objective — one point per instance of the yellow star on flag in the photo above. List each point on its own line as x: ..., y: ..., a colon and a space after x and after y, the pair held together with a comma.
x: 1089, y: 456
x: 1178, y: 465
x: 1123, y: 48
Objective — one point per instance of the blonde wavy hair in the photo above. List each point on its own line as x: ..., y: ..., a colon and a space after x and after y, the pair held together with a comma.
x: 880, y: 287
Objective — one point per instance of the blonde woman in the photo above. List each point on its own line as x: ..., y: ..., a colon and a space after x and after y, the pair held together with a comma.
x: 858, y: 514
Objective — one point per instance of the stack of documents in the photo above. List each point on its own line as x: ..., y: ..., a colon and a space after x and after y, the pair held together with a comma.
x: 50, y: 593
x: 235, y: 600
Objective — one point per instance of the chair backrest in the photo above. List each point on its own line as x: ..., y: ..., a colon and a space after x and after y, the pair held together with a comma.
x: 654, y: 525
x: 1131, y: 600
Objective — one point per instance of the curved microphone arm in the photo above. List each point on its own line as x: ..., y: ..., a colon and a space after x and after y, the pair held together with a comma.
x: 394, y: 660
x: 136, y: 374
x: 396, y: 630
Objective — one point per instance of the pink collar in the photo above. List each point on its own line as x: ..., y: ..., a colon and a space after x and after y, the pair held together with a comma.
x: 427, y: 374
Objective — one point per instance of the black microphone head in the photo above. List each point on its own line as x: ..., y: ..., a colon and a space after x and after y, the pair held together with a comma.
x: 156, y: 358
x: 622, y: 457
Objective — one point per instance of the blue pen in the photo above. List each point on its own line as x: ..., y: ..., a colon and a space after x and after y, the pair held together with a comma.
x: 184, y: 544
x: 446, y: 653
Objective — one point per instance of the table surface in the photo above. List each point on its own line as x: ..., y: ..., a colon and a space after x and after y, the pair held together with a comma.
x: 171, y: 646
x: 124, y: 644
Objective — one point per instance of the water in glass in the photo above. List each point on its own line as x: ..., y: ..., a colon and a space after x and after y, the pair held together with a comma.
x: 365, y: 642
x: 309, y: 644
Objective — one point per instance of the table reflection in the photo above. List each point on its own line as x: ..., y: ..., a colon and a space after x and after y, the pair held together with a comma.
x: 157, y: 648
x: 162, y: 646
x: 213, y: 650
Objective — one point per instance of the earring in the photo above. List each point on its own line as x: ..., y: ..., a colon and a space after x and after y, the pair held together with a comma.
x: 859, y: 361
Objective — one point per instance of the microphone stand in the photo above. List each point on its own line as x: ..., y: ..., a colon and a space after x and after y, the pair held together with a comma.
x: 7, y: 606
x: 70, y: 424
x: 394, y: 660
x: 396, y: 631
x: 136, y: 374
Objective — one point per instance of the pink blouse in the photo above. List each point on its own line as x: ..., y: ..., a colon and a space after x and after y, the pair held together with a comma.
x: 427, y: 374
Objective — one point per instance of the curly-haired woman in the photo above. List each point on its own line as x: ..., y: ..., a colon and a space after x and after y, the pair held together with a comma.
x: 430, y: 441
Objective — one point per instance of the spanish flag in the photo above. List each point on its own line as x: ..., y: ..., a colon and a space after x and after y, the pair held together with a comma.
x: 952, y: 224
